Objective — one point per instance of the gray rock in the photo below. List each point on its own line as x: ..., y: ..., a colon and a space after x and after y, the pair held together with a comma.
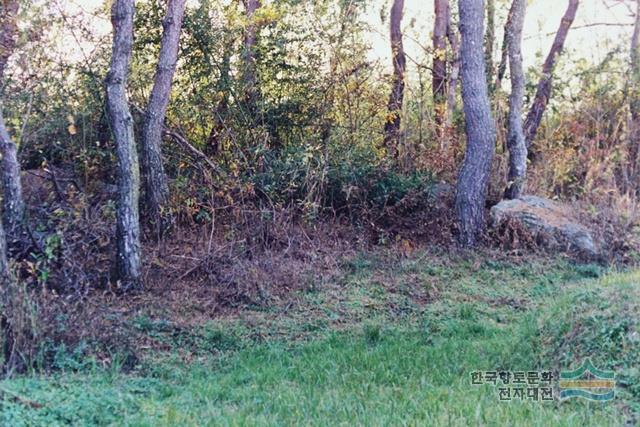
x: 553, y: 223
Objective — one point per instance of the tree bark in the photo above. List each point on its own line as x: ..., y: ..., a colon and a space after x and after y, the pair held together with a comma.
x: 249, y: 77
x: 490, y: 39
x: 8, y: 30
x: 127, y: 222
x: 473, y: 179
x: 454, y: 73
x: 543, y: 91
x: 515, y: 137
x: 504, y: 55
x: 4, y: 266
x: 439, y: 79
x: 13, y: 202
x: 5, y: 329
x: 634, y: 99
x: 392, y: 125
x: 155, y: 180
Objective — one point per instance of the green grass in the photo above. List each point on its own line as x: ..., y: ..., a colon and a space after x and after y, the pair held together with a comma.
x: 369, y: 354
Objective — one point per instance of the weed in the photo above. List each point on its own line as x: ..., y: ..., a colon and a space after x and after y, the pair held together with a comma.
x: 342, y: 355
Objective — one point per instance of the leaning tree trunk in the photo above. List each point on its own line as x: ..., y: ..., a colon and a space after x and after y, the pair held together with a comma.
x: 392, y: 125
x: 127, y: 223
x: 515, y: 138
x: 439, y: 79
x: 155, y: 180
x: 249, y: 78
x: 543, y: 91
x: 13, y: 201
x: 471, y: 191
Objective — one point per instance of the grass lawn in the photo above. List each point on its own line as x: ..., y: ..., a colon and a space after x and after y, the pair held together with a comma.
x: 366, y: 351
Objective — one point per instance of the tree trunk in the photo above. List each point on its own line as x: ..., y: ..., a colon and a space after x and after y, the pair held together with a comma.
x: 454, y: 70
x: 504, y: 55
x: 392, y: 125
x: 543, y: 91
x: 221, y: 110
x: 515, y: 138
x: 634, y: 100
x: 249, y: 77
x: 8, y: 30
x: 490, y: 39
x: 127, y: 225
x: 439, y: 80
x: 218, y: 127
x: 5, y: 329
x: 11, y: 361
x: 155, y: 179
x: 473, y: 179
x: 13, y: 202
x: 4, y: 266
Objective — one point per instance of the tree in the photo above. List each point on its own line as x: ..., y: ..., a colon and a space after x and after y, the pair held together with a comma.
x: 5, y: 277
x: 543, y: 91
x: 13, y: 202
x: 504, y: 55
x: 446, y: 71
x: 454, y: 72
x: 14, y: 208
x: 490, y: 38
x: 221, y: 110
x: 439, y: 80
x: 249, y: 77
x: 473, y: 178
x: 9, y: 304
x: 4, y: 266
x: 128, y: 175
x: 155, y: 180
x: 8, y: 31
x: 634, y: 98
x: 392, y: 125
x: 515, y: 137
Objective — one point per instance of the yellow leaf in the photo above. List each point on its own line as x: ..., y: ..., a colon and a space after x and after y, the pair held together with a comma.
x: 72, y: 129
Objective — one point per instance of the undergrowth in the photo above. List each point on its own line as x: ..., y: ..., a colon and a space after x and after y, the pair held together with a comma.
x: 392, y: 341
